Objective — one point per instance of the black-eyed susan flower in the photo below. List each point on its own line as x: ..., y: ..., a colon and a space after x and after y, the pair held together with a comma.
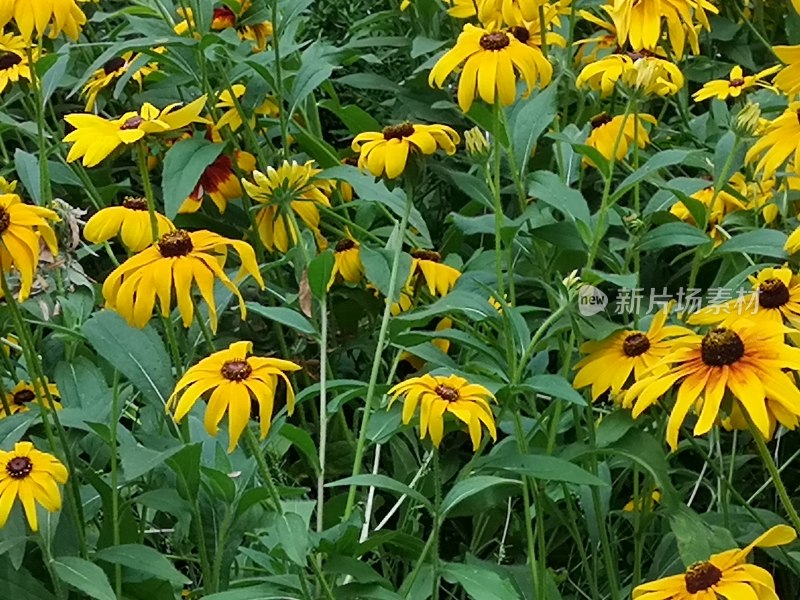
x: 230, y: 115
x: 792, y: 245
x: 747, y: 358
x: 237, y: 383
x: 492, y: 60
x: 177, y: 260
x: 643, y: 504
x: 223, y: 17
x: 22, y: 227
x: 14, y: 62
x: 605, y: 39
x: 95, y: 138
x: 510, y: 12
x: 49, y: 17
x: 442, y: 344
x: 24, y: 393
x: 386, y: 152
x: 775, y: 298
x: 733, y: 87
x: 778, y: 143
x: 726, y: 575
x: 33, y: 477
x: 651, y: 74
x: 219, y: 182
x: 788, y: 79
x: 614, y: 136
x: 609, y: 363
x: 719, y: 204
x: 639, y: 22
x: 760, y: 193
x: 347, y: 261
x: 130, y: 221
x: 291, y: 186
x: 439, y: 277
x: 437, y: 395
x: 112, y: 70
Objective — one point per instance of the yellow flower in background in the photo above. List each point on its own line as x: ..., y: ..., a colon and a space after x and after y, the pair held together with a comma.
x: 609, y: 363
x: 24, y: 393
x: 788, y: 79
x: 642, y: 504
x: 613, y: 136
x: 291, y: 186
x: 718, y: 206
x: 510, y: 12
x: 130, y: 221
x: 437, y: 395
x: 95, y: 138
x: 14, y: 63
x: 439, y: 277
x: 726, y: 575
x: 759, y: 193
x: 178, y: 259
x: 443, y: 344
x: 653, y: 75
x: 6, y: 186
x: 386, y: 152
x: 491, y: 62
x: 219, y: 182
x: 606, y: 39
x: 639, y: 22
x: 733, y: 87
x: 110, y: 72
x: 347, y: 261
x: 22, y: 228
x: 747, y: 358
x: 477, y: 141
x: 49, y: 17
x: 223, y: 17
x: 230, y: 115
x: 778, y: 143
x: 33, y: 477
x: 792, y: 245
x: 237, y: 382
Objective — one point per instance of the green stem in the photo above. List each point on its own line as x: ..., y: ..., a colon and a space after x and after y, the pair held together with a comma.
x: 323, y: 409
x: 263, y: 468
x: 499, y: 215
x: 45, y: 186
x: 115, y: 480
x: 437, y: 521
x: 519, y: 433
x: 141, y: 161
x: 276, y: 47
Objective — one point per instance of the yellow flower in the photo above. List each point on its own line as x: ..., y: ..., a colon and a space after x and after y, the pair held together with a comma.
x: 176, y: 260
x: 57, y: 15
x: 347, y: 261
x: 651, y: 74
x: 131, y: 222
x: 443, y: 344
x: 219, y: 182
x: 224, y: 18
x: 511, y: 12
x: 492, y: 60
x: 601, y: 41
x: 608, y: 364
x: 436, y: 395
x: 614, y: 136
x: 95, y: 138
x: 718, y: 206
x: 476, y: 141
x: 726, y: 575
x: 440, y: 277
x: 792, y: 245
x: 746, y: 358
x: 14, y: 63
x: 734, y: 86
x: 110, y: 72
x: 237, y: 383
x: 778, y: 143
x: 759, y: 194
x: 33, y: 477
x: 638, y: 504
x: 289, y: 187
x: 387, y: 152
x: 788, y: 79
x: 22, y: 227
x: 231, y: 117
x: 22, y: 394
x: 6, y: 186
x: 639, y: 21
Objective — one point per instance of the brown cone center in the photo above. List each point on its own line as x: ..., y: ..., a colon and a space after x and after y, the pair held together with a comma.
x: 134, y: 203
x: 736, y: 82
x: 132, y: 123
x: 521, y: 33
x: 5, y: 219
x: 494, y: 41
x: 430, y: 255
x: 701, y: 576
x: 635, y: 344
x: 175, y: 243
x: 600, y: 120
x: 114, y: 65
x: 345, y: 244
x: 721, y: 347
x: 773, y: 293
x: 22, y: 397
x: 19, y: 467
x: 445, y: 392
x: 236, y: 370
x: 8, y: 60
x: 398, y: 132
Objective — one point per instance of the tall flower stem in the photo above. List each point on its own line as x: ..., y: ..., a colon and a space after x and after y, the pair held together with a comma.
x: 437, y: 521
x: 323, y: 409
x: 499, y: 215
x: 519, y: 433
x: 115, y: 480
x: 263, y: 468
x: 376, y: 361
x: 141, y: 161
x: 276, y: 47
x: 45, y: 187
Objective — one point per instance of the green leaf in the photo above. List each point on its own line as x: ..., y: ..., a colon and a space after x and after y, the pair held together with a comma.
x: 545, y: 468
x: 660, y: 160
x: 82, y: 385
x: 284, y: 316
x: 184, y: 164
x: 479, y: 582
x: 293, y: 536
x: 139, y: 354
x: 319, y: 273
x: 382, y: 482
x: 530, y: 120
x: 27, y: 168
x: 726, y: 158
x: 673, y: 234
x: 764, y: 242
x: 84, y: 576
x: 264, y: 591
x: 52, y: 79
x: 467, y: 488
x: 137, y: 459
x: 693, y: 536
x: 144, y: 559
x: 548, y: 187
x: 474, y: 306
x: 315, y: 69
x: 21, y: 584
x: 378, y: 269
x: 556, y: 386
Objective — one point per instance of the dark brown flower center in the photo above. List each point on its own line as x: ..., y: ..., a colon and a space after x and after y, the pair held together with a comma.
x: 600, y: 120
x: 430, y: 255
x: 22, y: 397
x: 224, y: 12
x: 8, y: 60
x: 19, y: 467
x: 5, y: 219
x: 736, y: 82
x: 635, y: 344
x: 132, y: 123
x: 701, y: 576
x: 798, y: 115
x: 494, y: 41
x: 134, y: 203
x: 521, y: 33
x: 345, y: 244
x: 398, y: 132
x: 445, y: 392
x: 721, y: 347
x: 772, y: 294
x: 175, y: 243
x: 114, y: 65
x: 236, y: 370
x: 351, y: 160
